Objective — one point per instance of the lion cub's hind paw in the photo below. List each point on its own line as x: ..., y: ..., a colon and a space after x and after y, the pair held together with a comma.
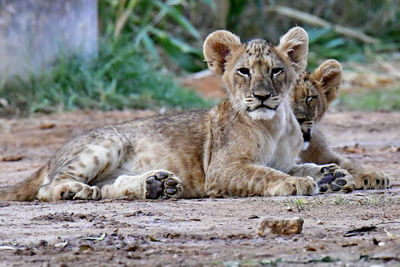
x: 335, y: 179
x: 78, y: 191
x: 163, y: 185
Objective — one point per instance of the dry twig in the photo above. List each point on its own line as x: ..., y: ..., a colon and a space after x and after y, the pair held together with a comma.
x: 316, y: 21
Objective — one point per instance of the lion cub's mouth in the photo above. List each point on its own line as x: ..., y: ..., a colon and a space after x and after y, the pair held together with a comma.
x: 261, y: 107
x: 262, y: 112
x: 267, y: 107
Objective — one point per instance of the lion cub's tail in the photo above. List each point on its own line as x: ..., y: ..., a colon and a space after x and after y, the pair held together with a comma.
x: 26, y: 190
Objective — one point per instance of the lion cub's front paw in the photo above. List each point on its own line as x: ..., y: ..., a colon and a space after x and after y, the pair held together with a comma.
x: 164, y: 185
x: 294, y: 186
x: 372, y: 180
x: 334, y: 179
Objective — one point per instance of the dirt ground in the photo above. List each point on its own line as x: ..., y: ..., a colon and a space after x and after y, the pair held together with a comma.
x: 357, y: 229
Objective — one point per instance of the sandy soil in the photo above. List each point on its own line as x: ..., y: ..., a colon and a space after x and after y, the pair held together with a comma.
x: 358, y: 229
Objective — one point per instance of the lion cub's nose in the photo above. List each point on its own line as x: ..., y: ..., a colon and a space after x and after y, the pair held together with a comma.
x: 262, y: 95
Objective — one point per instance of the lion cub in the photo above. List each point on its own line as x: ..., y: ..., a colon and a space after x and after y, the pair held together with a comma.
x: 310, y: 98
x: 245, y: 146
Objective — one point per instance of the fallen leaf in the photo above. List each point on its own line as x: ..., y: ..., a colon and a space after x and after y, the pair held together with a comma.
x: 11, y: 158
x: 85, y: 248
x: 355, y: 149
x: 152, y: 239
x: 99, y: 238
x: 311, y: 249
x: 360, y: 231
x: 390, y: 235
x: 47, y: 125
x: 345, y: 245
x: 61, y: 245
x: 7, y: 248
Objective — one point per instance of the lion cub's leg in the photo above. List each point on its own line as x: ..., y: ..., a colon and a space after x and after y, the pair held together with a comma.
x: 245, y: 180
x: 329, y: 177
x: 150, y: 185
x: 320, y: 153
x: 83, y: 162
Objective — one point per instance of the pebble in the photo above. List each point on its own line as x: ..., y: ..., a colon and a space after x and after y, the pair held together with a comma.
x: 280, y: 226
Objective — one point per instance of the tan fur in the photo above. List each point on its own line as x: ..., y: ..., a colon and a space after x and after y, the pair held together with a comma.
x: 26, y: 190
x: 246, y: 146
x: 310, y: 100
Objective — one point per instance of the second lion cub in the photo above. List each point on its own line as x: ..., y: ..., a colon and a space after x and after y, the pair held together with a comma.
x: 246, y: 146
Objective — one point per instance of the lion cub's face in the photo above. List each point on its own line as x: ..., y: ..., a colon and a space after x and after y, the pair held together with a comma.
x: 313, y: 92
x: 257, y: 75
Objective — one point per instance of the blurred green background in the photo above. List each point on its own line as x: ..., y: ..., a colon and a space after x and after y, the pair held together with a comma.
x: 145, y: 44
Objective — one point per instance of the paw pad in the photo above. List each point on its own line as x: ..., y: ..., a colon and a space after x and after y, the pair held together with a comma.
x: 335, y: 179
x: 162, y: 185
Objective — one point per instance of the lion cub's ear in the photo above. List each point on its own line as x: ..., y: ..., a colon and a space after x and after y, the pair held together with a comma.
x: 294, y: 46
x: 217, y: 49
x: 329, y: 74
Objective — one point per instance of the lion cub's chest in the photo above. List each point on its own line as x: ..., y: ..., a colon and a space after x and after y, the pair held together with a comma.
x: 282, y: 149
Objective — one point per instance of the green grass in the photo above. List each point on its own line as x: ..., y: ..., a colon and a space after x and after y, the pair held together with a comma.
x: 298, y: 203
x: 120, y: 77
x: 132, y: 69
x: 341, y: 200
x: 378, y: 100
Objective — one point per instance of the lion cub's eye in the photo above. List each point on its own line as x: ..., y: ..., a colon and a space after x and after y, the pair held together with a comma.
x: 310, y: 98
x: 243, y: 72
x: 276, y: 71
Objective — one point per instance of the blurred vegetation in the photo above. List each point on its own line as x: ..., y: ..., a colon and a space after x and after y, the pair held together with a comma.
x: 127, y: 73
x: 377, y: 18
x: 386, y: 100
x: 119, y: 78
x: 144, y: 43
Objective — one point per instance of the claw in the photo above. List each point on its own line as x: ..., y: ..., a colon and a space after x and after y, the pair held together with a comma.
x: 68, y: 195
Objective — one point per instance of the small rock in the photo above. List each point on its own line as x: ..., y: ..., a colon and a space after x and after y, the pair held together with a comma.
x: 11, y: 157
x: 47, y: 125
x: 280, y: 226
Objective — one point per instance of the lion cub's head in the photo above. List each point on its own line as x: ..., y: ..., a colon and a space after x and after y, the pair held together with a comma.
x: 258, y: 75
x: 313, y: 92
